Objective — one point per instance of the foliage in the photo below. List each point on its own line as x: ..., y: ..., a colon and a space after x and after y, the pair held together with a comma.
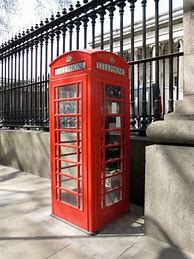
x: 50, y: 6
x: 7, y: 5
x: 10, y: 9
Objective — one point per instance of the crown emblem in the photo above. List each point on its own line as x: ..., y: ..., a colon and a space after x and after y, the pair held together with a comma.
x: 68, y: 59
x: 112, y: 60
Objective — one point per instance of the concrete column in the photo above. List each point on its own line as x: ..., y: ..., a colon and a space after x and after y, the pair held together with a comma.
x: 169, y: 182
x: 188, y: 26
x: 169, y: 195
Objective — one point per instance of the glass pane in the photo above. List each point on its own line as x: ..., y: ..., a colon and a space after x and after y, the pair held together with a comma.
x: 112, y: 168
x: 113, y: 137
x: 70, y: 156
x: 67, y: 91
x: 112, y: 91
x: 113, y: 152
x: 113, y: 122
x: 65, y: 164
x: 113, y: 107
x: 67, y: 107
x: 112, y: 197
x: 66, y: 150
x: 69, y: 138
x: 68, y: 153
x: 67, y: 122
x: 69, y: 170
x: 69, y: 198
x: 68, y: 183
x: 113, y: 182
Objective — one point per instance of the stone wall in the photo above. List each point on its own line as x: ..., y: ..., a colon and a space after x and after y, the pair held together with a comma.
x: 29, y: 151
x: 169, y: 195
x: 25, y: 150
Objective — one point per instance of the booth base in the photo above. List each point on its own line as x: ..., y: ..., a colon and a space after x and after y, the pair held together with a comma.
x: 69, y: 223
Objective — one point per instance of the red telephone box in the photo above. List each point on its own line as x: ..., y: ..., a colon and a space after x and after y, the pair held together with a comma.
x: 89, y: 138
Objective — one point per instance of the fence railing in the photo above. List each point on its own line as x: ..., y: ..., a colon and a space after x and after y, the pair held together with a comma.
x: 148, y: 38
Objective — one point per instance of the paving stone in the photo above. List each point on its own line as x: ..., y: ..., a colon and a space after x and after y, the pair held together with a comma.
x: 142, y: 254
x: 17, y: 230
x: 70, y: 253
x: 148, y: 248
x: 37, y: 248
x: 11, y: 211
x: 27, y: 230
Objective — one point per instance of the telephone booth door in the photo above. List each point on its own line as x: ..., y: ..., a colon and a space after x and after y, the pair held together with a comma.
x: 68, y: 181
x: 112, y: 130
x: 112, y: 171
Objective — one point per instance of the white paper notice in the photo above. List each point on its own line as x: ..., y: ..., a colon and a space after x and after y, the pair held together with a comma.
x: 114, y: 107
x: 118, y: 122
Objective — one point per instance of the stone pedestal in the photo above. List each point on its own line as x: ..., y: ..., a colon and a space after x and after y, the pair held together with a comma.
x: 169, y: 195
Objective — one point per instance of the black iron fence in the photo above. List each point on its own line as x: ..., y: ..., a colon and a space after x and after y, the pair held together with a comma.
x: 146, y: 37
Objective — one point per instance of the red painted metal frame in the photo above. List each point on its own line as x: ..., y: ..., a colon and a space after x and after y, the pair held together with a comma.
x: 93, y: 213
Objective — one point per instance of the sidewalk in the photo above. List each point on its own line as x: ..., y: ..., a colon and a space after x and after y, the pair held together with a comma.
x: 27, y: 230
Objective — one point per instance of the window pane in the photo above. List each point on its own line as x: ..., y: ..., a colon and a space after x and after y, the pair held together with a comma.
x: 112, y: 168
x: 113, y: 137
x: 67, y: 107
x: 67, y: 122
x: 65, y: 164
x: 68, y: 183
x: 67, y: 91
x: 69, y: 198
x: 113, y: 122
x: 69, y: 138
x: 70, y: 170
x: 112, y: 197
x: 113, y: 107
x: 113, y: 182
x: 112, y: 91
x: 68, y: 153
x: 66, y: 150
x: 70, y: 156
x: 113, y: 152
